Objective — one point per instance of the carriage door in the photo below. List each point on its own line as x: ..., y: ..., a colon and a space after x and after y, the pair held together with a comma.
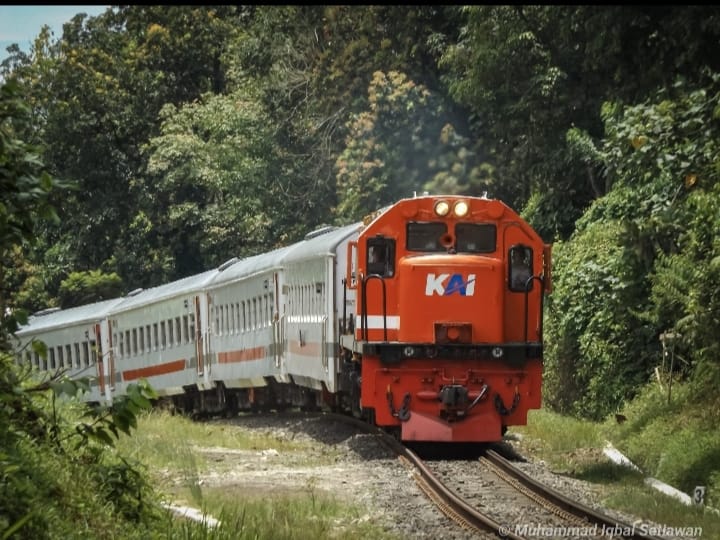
x: 199, y: 335
x: 105, y: 360
x: 277, y: 323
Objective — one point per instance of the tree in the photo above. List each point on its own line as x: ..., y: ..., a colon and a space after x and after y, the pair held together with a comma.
x: 26, y: 187
x: 529, y: 74
x: 87, y: 287
x: 403, y: 144
x: 211, y: 170
x: 643, y: 258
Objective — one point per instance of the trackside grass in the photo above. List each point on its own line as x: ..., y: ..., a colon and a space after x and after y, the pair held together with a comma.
x: 178, y: 452
x: 665, y: 440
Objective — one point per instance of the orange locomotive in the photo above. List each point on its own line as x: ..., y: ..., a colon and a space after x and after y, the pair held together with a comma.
x: 447, y: 338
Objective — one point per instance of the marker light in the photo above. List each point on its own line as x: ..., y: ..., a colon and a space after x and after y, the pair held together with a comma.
x: 442, y: 208
x: 461, y: 208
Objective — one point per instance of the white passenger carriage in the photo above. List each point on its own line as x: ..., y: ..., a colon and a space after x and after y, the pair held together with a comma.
x: 78, y: 343
x: 247, y: 341
x: 256, y: 332
x: 163, y: 335
x: 275, y: 323
x: 316, y: 303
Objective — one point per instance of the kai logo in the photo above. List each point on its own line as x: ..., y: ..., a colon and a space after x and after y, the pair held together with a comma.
x: 447, y: 284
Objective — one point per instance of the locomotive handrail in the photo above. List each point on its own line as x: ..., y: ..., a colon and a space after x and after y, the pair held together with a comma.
x: 363, y: 296
x: 527, y: 307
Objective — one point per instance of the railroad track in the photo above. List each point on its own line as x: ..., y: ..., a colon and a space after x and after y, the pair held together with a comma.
x: 491, y: 498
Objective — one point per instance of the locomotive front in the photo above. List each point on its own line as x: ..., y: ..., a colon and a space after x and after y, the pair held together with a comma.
x: 450, y: 318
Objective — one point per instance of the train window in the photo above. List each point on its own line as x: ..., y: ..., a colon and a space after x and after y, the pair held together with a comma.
x: 191, y: 327
x: 475, y: 237
x: 93, y: 352
x: 36, y: 360
x: 178, y: 331
x: 52, y: 358
x: 163, y: 335
x: 148, y: 341
x: 156, y: 336
x: 425, y: 236
x: 128, y: 352
x: 381, y: 256
x: 171, y: 333
x: 77, y: 355
x: 68, y: 356
x: 520, y: 268
x: 121, y: 345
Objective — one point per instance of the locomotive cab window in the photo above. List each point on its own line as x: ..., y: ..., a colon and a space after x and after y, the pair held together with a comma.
x: 520, y: 268
x: 381, y: 256
x: 426, y: 236
x: 475, y: 237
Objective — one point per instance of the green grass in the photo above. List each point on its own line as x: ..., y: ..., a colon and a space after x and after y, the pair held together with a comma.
x: 666, y: 440
x: 171, y: 446
x: 305, y: 515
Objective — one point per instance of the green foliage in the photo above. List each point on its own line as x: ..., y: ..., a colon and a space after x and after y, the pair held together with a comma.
x: 535, y: 78
x: 648, y: 248
x: 87, y: 287
x: 120, y: 416
x: 209, y: 168
x: 401, y: 145
x: 24, y: 182
x: 26, y: 188
x: 64, y: 467
x: 599, y: 347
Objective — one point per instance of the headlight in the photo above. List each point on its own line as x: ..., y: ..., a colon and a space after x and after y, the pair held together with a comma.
x: 461, y: 208
x: 442, y: 208
x: 497, y: 352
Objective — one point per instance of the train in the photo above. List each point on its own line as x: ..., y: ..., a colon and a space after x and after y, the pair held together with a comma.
x: 425, y: 319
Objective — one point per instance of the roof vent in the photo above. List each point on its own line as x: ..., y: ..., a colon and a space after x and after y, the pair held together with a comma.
x: 227, y: 264
x: 319, y: 232
x: 135, y: 292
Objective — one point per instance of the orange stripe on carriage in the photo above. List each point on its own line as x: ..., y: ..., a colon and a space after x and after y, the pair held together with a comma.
x: 152, y: 371
x: 243, y: 355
